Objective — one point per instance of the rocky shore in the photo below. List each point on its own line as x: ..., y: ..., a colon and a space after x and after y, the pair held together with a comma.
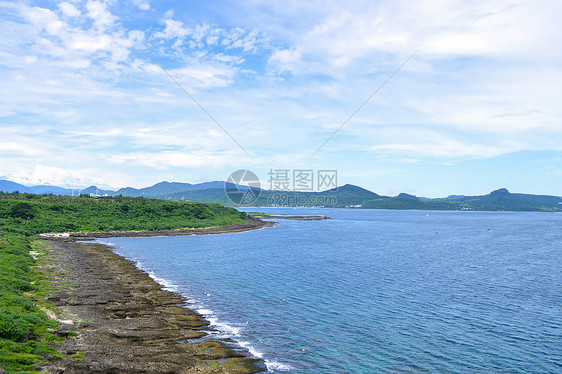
x: 253, y: 224
x: 118, y: 320
x: 289, y: 216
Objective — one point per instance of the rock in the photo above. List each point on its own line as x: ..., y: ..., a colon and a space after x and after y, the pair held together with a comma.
x: 129, y: 324
x: 62, y: 334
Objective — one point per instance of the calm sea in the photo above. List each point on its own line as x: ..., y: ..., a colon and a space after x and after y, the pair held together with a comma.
x: 374, y: 291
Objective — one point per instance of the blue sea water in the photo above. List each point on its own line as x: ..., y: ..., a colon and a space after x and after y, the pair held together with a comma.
x: 375, y: 291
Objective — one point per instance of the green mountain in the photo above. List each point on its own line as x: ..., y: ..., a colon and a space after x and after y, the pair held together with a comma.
x: 345, y: 196
x: 498, y: 200
x: 158, y: 190
x: 502, y: 199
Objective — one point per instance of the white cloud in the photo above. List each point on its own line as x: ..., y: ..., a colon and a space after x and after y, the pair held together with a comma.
x: 484, y: 81
x: 345, y: 34
x: 14, y: 148
x: 69, y: 9
x: 173, y: 29
x: 98, y: 12
x: 199, y: 75
x: 77, y: 177
x: 285, y: 60
x: 166, y: 159
x: 247, y: 41
x: 45, y: 19
x: 142, y: 4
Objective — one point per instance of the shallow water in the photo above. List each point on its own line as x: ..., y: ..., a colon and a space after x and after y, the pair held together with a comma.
x: 377, y: 291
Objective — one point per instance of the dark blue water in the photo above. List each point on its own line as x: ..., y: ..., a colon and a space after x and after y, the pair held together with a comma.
x: 372, y: 291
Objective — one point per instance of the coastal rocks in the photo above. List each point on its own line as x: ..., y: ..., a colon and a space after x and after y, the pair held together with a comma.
x: 124, y: 322
x: 252, y: 224
x: 289, y: 216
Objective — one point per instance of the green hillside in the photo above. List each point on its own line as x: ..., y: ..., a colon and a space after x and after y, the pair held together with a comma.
x: 354, y: 196
x: 344, y: 196
x: 33, y: 214
x: 26, y: 336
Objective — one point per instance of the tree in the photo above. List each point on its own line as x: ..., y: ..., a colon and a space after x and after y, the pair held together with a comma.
x: 23, y: 211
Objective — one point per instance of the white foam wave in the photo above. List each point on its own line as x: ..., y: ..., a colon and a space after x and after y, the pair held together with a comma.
x: 106, y: 242
x: 276, y: 365
x: 225, y: 328
x: 251, y: 349
x: 205, y: 312
x: 222, y: 327
x: 168, y: 286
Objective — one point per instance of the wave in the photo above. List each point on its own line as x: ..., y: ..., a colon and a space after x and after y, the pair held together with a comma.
x: 251, y: 349
x: 277, y: 366
x: 168, y: 286
x: 224, y: 329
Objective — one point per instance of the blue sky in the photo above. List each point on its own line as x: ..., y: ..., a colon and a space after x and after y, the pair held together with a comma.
x: 477, y: 107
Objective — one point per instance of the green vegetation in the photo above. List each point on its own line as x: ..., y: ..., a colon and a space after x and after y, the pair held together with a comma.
x: 25, y: 330
x: 78, y: 356
x: 30, y: 214
x: 499, y: 200
x: 354, y: 196
x: 344, y: 196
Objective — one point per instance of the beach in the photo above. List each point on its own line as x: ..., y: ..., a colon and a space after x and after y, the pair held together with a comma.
x: 125, y: 321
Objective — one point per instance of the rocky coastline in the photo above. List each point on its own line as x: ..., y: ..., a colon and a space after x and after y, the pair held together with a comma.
x: 117, y: 319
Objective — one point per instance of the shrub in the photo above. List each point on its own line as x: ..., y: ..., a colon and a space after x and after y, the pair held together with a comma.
x: 22, y: 210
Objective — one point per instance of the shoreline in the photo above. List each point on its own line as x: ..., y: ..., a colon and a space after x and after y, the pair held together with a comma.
x: 310, y: 217
x: 253, y: 224
x: 128, y: 322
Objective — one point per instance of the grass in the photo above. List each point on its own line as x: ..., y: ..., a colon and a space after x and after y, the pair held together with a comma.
x: 78, y: 356
x: 26, y: 277
x: 34, y: 214
x: 26, y: 337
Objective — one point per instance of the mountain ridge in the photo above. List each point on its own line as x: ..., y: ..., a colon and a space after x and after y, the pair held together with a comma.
x: 345, y: 196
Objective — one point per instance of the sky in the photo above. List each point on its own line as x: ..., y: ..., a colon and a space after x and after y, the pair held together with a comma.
x: 430, y: 98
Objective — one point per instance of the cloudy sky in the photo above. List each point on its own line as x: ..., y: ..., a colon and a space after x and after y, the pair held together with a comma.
x: 91, y: 92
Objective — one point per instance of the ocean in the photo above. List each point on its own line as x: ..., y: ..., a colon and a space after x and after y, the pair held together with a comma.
x: 376, y: 291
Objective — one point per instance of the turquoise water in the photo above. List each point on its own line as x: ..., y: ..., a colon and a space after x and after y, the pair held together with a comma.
x: 374, y: 291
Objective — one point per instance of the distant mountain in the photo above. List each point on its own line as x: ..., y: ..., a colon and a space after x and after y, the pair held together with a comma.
x: 353, y: 192
x: 158, y: 190
x: 344, y: 196
x: 208, y: 185
x: 8, y: 186
x: 50, y: 189
x: 406, y: 196
x: 502, y: 199
x: 96, y: 191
